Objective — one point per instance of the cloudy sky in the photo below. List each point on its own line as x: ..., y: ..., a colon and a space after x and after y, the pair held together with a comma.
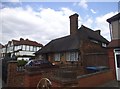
x: 44, y: 21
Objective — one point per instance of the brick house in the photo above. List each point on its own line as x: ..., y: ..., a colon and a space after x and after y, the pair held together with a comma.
x: 114, y: 45
x: 77, y: 46
x: 83, y: 46
x: 22, y: 49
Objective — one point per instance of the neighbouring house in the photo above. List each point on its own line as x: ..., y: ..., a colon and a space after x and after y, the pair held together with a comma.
x: 114, y: 45
x: 22, y: 49
x: 1, y: 46
x: 81, y: 45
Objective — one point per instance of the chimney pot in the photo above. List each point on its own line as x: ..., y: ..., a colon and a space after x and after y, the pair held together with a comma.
x: 21, y: 39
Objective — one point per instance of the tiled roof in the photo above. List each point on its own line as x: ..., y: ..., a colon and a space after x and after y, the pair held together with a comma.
x: 114, y: 18
x: 72, y: 42
x: 114, y: 44
x: 26, y: 42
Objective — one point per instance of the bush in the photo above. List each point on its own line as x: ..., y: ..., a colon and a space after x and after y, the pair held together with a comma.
x: 22, y: 62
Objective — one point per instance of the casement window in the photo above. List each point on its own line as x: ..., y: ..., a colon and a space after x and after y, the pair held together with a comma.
x: 23, y: 47
x: 34, y: 48
x: 57, y: 57
x: 72, y: 56
x: 27, y: 47
x: 31, y: 48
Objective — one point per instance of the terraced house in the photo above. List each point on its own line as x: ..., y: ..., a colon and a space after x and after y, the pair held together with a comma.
x: 22, y: 49
x: 81, y: 45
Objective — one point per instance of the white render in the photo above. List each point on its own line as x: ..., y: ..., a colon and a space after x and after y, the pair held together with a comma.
x: 21, y: 50
x: 115, y: 30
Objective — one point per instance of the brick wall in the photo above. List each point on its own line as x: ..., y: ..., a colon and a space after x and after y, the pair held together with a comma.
x: 96, y: 79
x: 112, y: 61
x: 90, y: 80
x: 31, y: 79
x: 15, y: 78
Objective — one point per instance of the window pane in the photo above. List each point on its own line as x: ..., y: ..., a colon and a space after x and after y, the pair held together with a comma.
x: 118, y: 60
x: 35, y: 48
x: 72, y: 56
x: 67, y: 56
x: 57, y: 57
x: 23, y: 47
x: 31, y: 48
x: 27, y: 47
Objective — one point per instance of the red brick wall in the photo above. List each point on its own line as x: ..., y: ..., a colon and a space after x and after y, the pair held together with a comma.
x: 15, y: 78
x: 31, y: 80
x: 112, y: 60
x: 96, y: 80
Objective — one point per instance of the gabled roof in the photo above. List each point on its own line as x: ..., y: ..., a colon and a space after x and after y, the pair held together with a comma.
x: 114, y: 18
x: 25, y: 42
x: 71, y: 42
x: 90, y: 34
x: 114, y: 44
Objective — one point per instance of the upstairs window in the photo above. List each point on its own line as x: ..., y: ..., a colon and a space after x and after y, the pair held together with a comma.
x: 31, y: 48
x: 104, y: 45
x: 27, y: 47
x: 34, y: 48
x: 23, y: 47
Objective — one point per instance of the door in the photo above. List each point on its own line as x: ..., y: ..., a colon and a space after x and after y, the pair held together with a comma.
x: 117, y: 63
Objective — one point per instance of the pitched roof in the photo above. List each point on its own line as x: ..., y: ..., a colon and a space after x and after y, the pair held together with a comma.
x: 114, y: 18
x: 114, y: 44
x: 71, y: 42
x: 90, y: 34
x: 26, y: 42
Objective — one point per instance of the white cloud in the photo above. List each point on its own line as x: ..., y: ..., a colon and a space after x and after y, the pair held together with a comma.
x: 93, y: 11
x: 103, y: 25
x: 88, y: 21
x: 83, y: 4
x: 42, y: 26
x: 45, y: 25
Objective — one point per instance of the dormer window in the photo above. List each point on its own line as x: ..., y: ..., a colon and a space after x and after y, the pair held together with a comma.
x: 104, y: 45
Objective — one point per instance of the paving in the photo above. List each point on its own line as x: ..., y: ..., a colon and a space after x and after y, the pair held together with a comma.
x: 113, y: 83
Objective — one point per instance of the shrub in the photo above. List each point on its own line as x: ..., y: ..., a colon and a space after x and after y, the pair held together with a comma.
x: 22, y: 62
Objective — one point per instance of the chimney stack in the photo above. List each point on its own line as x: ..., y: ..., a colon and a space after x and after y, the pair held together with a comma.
x: 73, y: 23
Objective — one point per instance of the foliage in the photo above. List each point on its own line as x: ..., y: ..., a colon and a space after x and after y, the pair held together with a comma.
x: 22, y: 62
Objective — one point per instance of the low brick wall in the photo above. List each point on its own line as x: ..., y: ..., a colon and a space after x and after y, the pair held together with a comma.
x: 31, y: 79
x: 89, y: 80
x: 95, y: 79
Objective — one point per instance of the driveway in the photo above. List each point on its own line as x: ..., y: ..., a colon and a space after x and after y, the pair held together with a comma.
x: 113, y: 83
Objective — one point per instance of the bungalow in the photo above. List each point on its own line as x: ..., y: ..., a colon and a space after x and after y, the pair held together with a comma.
x: 114, y: 45
x: 79, y: 45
